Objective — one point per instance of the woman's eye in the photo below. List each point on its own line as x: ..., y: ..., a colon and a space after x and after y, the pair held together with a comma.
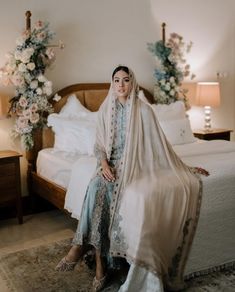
x: 116, y: 80
x: 127, y: 80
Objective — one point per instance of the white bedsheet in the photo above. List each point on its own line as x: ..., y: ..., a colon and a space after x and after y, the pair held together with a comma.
x: 56, y: 166
x: 214, y: 240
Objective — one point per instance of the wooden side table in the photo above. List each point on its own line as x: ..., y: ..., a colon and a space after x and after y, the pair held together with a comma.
x: 214, y: 134
x: 10, y: 182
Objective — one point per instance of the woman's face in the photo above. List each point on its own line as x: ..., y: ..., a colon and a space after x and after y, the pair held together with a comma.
x: 122, y: 84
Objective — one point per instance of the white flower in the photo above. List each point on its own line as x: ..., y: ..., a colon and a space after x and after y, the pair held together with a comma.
x: 25, y: 59
x: 34, y: 84
x: 31, y: 66
x: 39, y: 91
x: 172, y: 92
x: 167, y: 86
x: 162, y: 93
x: 47, y: 90
x: 26, y: 55
x: 48, y: 84
x: 177, y: 88
x: 22, y: 67
x: 172, y: 79
x: 43, y: 103
x: 17, y: 55
x: 27, y: 77
x: 20, y: 41
x: 56, y: 97
x: 42, y: 78
x: 162, y: 81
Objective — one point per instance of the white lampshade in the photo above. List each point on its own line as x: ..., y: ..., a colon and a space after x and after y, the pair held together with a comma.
x: 208, y: 94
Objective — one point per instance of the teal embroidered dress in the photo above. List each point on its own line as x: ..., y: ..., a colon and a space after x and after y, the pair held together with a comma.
x: 93, y: 225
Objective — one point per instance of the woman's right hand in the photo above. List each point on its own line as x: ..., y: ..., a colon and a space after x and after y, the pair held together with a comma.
x: 107, y: 171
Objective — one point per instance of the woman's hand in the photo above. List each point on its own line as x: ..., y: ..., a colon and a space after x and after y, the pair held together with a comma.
x: 107, y: 171
x: 202, y: 171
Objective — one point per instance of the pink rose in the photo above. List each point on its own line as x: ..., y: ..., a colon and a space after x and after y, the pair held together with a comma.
x: 34, y: 108
x: 39, y: 24
x: 26, y: 113
x: 17, y: 80
x: 34, y: 118
x: 21, y: 123
x: 23, y: 102
x: 41, y: 36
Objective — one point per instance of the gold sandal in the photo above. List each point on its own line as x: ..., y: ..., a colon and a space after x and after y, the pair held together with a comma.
x: 98, y: 285
x: 65, y: 266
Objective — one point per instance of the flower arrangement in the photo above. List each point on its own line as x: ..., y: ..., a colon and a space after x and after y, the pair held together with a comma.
x: 25, y: 68
x: 172, y: 70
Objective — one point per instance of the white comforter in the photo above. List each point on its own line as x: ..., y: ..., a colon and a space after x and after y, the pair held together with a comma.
x: 214, y: 241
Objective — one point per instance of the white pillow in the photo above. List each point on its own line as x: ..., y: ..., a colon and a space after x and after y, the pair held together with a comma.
x: 73, y: 108
x: 178, y: 131
x: 173, y: 111
x: 74, y: 135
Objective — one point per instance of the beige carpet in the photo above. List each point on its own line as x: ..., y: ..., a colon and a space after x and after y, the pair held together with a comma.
x: 32, y: 270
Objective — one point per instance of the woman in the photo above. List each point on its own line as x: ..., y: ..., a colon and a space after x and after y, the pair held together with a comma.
x: 137, y: 170
x: 94, y: 222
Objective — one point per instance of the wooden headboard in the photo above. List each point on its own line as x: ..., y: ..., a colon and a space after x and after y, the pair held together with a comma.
x: 91, y: 95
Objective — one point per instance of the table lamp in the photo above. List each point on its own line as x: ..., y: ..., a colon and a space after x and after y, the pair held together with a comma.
x: 208, y: 95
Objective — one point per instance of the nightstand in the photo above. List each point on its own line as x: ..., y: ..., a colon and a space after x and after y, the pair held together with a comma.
x: 10, y: 183
x: 214, y: 134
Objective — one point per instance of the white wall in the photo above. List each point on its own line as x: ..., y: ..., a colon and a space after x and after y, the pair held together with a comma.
x: 210, y: 25
x: 102, y: 34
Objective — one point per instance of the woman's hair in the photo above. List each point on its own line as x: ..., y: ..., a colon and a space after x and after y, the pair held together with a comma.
x: 121, y: 68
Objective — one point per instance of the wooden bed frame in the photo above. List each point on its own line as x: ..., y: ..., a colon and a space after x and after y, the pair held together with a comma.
x: 91, y: 95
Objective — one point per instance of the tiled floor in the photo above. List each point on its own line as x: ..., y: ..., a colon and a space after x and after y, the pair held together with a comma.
x: 37, y: 229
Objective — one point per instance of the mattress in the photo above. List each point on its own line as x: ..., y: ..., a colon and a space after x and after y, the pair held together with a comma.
x: 56, y: 165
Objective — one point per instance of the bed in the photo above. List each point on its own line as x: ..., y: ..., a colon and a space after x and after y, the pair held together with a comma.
x: 91, y: 95
x: 213, y: 245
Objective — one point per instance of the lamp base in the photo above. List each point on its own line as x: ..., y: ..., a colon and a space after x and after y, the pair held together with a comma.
x: 207, y: 112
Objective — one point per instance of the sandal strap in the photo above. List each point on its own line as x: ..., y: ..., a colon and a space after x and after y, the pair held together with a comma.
x: 65, y: 266
x: 99, y: 284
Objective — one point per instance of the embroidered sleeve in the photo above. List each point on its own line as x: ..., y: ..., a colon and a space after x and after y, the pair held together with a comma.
x: 100, y: 154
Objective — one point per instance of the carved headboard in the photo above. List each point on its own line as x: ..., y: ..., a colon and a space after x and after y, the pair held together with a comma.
x: 91, y: 95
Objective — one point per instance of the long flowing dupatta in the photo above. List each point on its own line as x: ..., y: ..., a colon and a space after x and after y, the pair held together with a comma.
x: 156, y: 199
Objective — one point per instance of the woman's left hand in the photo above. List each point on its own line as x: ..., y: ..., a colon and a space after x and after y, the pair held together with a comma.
x: 202, y: 171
